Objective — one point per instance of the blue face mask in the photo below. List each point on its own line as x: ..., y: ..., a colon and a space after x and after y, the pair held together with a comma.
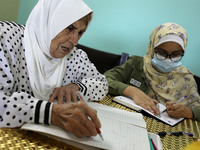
x: 165, y: 65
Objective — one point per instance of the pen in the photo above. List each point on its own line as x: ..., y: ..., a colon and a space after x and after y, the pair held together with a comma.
x: 158, y: 106
x: 98, y: 130
x: 182, y: 98
x: 159, y: 109
x: 178, y: 133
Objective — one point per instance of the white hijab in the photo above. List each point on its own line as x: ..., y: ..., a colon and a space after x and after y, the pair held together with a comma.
x: 47, y: 19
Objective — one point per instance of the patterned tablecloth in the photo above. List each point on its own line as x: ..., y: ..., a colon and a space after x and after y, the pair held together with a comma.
x: 17, y: 139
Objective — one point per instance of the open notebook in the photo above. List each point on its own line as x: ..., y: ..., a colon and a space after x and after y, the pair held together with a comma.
x: 128, y: 102
x: 120, y: 129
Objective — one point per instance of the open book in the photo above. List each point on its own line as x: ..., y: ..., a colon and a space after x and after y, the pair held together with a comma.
x: 128, y: 102
x: 120, y: 129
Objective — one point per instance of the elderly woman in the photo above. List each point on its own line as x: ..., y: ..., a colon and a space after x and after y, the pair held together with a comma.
x: 39, y: 64
x: 159, y: 76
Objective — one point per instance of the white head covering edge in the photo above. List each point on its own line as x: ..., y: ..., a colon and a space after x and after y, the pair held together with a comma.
x: 171, y: 38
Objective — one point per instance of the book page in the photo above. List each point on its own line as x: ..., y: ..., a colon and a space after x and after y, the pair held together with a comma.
x: 124, y: 136
x: 169, y: 120
x: 118, y: 114
x: 156, y: 140
x: 117, y: 130
x: 131, y: 102
x: 126, y: 101
x: 163, y: 116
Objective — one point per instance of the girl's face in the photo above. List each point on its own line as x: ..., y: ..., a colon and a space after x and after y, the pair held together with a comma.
x: 171, y: 50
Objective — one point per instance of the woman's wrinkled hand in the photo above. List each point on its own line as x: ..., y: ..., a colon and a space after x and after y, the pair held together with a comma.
x: 142, y: 99
x: 177, y: 110
x: 66, y: 93
x: 77, y: 118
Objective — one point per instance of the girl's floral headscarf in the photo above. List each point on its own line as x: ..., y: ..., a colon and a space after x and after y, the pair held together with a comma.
x: 173, y: 85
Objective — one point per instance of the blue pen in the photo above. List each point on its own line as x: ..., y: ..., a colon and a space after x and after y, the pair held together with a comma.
x: 177, y: 133
x: 189, y: 134
x: 182, y: 98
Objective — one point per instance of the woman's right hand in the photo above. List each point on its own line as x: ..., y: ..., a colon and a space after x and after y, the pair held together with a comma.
x: 140, y: 98
x: 77, y: 118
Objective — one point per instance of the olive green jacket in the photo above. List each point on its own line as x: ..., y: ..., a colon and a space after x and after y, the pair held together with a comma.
x: 132, y: 73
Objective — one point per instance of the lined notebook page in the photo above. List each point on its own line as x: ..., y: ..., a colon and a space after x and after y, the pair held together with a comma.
x: 118, y: 114
x: 118, y: 130
x: 163, y: 116
x: 170, y: 120
x: 123, y: 136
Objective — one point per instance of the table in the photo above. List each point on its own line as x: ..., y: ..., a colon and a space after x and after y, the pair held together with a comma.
x: 17, y: 139
x: 154, y: 126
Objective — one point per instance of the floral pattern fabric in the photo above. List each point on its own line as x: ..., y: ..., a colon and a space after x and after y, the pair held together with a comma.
x: 173, y: 85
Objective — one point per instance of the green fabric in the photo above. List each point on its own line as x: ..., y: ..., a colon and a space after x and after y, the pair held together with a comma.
x: 196, y: 113
x: 130, y: 73
x: 120, y: 78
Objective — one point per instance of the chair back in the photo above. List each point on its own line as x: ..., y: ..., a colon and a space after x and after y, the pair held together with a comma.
x: 197, y: 79
x: 103, y: 60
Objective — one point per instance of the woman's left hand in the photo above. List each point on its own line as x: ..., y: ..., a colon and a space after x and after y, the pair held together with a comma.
x: 177, y: 110
x: 67, y: 92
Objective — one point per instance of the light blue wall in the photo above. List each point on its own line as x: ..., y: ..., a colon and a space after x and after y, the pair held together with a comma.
x: 24, y: 10
x: 125, y: 25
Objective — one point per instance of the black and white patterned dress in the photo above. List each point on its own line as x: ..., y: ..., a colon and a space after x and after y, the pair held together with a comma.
x: 17, y: 102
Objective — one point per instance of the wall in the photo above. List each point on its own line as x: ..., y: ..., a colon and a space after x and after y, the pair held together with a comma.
x: 125, y: 25
x: 25, y: 9
x: 9, y: 10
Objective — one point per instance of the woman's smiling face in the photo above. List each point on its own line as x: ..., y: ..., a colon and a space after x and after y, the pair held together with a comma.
x: 65, y: 41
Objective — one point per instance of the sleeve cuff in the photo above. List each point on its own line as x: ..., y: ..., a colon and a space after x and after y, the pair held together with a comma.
x: 196, y: 114
x: 82, y: 87
x: 43, y: 112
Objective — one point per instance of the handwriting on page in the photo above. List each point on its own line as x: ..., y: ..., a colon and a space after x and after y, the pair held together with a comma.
x: 117, y: 114
x: 121, y: 130
x: 123, y: 135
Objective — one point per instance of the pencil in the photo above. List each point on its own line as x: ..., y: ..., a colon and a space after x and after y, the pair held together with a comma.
x: 98, y: 130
